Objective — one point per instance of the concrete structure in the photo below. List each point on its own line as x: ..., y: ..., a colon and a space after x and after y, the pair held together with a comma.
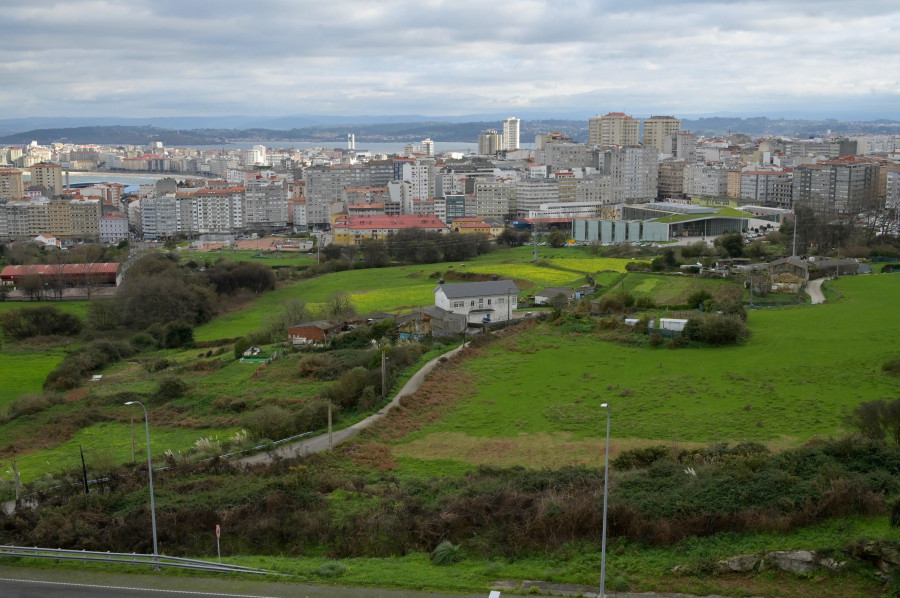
x: 12, y: 184
x: 705, y: 179
x: 478, y: 301
x: 510, y: 133
x: 759, y: 186
x: 842, y: 186
x: 489, y: 142
x: 657, y: 128
x: 615, y: 128
x: 113, y: 228
x: 49, y: 177
x: 351, y: 231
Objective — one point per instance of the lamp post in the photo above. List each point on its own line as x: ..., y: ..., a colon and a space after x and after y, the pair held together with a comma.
x: 150, y: 474
x: 605, y: 499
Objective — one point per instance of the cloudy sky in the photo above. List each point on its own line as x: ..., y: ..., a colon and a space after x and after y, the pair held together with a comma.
x: 434, y: 57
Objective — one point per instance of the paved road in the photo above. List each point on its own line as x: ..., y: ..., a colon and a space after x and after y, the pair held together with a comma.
x: 814, y: 290
x: 16, y: 582
x: 320, y: 443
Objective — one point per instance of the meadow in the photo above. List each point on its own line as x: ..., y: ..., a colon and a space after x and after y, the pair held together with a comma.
x: 107, y: 444
x: 534, y: 398
x: 23, y: 369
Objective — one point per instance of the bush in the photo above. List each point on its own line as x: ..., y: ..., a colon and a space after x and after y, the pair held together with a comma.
x: 331, y: 569
x: 716, y: 330
x: 275, y: 421
x: 142, y: 341
x: 891, y: 367
x: 446, y: 553
x: 170, y: 387
x: 178, y: 334
x: 44, y: 320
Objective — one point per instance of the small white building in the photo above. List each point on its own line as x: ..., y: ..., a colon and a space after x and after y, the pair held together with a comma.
x: 489, y: 301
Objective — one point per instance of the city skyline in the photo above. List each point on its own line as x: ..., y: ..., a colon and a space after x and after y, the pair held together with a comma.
x: 131, y: 59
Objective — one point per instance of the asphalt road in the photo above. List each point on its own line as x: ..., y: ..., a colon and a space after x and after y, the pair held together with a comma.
x: 18, y: 582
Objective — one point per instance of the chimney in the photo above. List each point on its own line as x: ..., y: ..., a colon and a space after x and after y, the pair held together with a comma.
x: 495, y: 277
x: 441, y: 281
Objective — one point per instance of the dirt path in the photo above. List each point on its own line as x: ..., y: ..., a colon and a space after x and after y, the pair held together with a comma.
x: 318, y: 444
x: 814, y: 290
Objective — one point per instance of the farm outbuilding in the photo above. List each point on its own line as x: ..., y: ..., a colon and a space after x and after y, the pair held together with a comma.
x: 70, y: 275
x: 316, y: 332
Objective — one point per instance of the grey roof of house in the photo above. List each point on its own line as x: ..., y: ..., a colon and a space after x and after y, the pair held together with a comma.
x: 794, y: 261
x: 476, y: 289
x: 321, y: 324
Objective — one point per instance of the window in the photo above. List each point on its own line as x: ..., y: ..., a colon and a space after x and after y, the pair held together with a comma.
x: 501, y: 300
x: 489, y: 301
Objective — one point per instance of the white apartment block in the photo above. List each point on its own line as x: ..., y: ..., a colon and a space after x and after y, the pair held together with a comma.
x: 511, y: 133
x: 158, y: 216
x: 265, y: 204
x: 530, y: 194
x: 113, y: 228
x: 495, y: 197
x: 641, y: 171
x: 705, y: 179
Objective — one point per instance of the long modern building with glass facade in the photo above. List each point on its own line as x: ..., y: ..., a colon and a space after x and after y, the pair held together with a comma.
x: 661, y: 222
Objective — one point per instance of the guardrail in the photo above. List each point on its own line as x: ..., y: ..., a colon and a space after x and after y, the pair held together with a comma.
x: 124, y: 558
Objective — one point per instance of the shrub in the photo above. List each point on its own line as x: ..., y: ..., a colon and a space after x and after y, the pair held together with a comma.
x: 644, y: 303
x: 891, y: 367
x: 641, y: 457
x: 716, y: 330
x: 170, y: 387
x: 44, y: 320
x: 331, y: 569
x: 177, y: 334
x: 446, y: 553
x: 142, y: 341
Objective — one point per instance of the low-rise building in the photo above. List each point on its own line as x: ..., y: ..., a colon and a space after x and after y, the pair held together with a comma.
x: 488, y: 301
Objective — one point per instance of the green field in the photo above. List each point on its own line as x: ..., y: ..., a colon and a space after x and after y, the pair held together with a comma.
x: 24, y: 370
x: 403, y: 287
x: 269, y: 258
x: 79, y: 308
x: 537, y: 395
x: 109, y: 443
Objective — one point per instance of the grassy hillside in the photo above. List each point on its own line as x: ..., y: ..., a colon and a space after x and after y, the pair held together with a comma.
x: 534, y: 398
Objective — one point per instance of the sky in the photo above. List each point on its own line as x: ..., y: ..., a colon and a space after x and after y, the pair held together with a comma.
x: 124, y: 58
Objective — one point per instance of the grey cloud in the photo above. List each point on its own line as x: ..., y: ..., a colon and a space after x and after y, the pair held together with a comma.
x: 440, y: 57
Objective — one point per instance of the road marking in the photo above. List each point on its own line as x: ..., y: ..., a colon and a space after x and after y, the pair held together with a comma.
x: 86, y: 585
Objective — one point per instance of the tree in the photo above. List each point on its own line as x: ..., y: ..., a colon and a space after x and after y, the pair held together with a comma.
x: 340, y: 306
x: 732, y: 244
x: 557, y: 238
x: 32, y: 285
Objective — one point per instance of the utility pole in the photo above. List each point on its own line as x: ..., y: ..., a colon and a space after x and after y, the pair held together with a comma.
x: 83, y: 469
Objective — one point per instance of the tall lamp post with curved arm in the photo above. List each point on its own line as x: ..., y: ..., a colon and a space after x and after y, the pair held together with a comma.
x: 150, y: 475
x: 605, y: 499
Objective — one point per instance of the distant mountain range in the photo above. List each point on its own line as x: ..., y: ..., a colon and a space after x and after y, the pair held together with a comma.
x: 180, y: 131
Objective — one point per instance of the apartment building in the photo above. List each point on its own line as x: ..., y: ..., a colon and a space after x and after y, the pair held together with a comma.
x: 47, y: 176
x: 705, y: 179
x: 657, y: 128
x: 845, y: 185
x: 12, y: 184
x: 510, y: 141
x: 615, y: 128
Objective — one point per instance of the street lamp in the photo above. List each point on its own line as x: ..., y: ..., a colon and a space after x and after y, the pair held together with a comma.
x: 150, y: 474
x: 605, y: 498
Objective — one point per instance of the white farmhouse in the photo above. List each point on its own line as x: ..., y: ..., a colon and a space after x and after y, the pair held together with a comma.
x: 492, y: 300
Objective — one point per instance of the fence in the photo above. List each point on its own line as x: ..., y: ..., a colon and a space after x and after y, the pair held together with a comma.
x: 124, y: 558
